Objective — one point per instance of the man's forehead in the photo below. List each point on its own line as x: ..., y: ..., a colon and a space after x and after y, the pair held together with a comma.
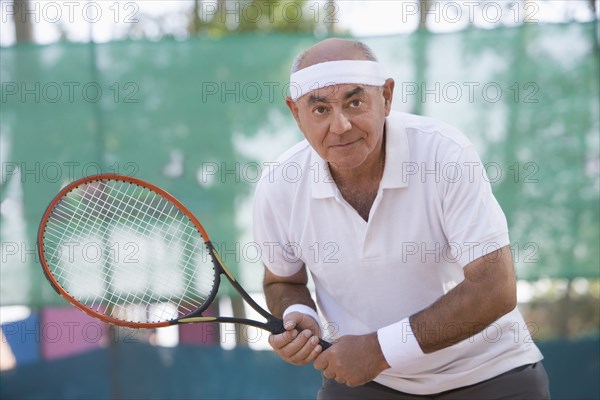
x: 334, y: 93
x: 332, y: 73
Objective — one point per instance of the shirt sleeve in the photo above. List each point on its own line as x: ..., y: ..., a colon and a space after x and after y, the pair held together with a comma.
x: 475, y: 224
x: 271, y: 230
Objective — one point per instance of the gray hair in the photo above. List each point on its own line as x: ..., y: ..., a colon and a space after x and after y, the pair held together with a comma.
x: 366, y: 51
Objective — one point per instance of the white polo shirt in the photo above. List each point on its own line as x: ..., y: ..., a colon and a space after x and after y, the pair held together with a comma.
x: 434, y: 213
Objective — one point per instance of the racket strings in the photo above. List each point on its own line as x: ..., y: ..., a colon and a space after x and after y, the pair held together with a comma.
x: 61, y: 235
x: 108, y: 210
x: 182, y: 232
x: 119, y: 298
x: 132, y: 221
x: 185, y: 232
x: 105, y: 236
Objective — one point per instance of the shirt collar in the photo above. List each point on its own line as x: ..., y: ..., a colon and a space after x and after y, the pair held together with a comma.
x: 397, y: 154
x: 323, y: 185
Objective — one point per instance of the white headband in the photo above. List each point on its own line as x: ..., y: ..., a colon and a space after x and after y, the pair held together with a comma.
x: 335, y: 73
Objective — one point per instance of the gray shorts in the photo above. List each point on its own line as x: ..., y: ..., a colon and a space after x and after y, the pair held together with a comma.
x: 528, y: 382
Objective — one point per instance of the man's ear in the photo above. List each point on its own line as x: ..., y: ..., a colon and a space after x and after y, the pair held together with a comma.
x: 388, y: 94
x: 291, y: 104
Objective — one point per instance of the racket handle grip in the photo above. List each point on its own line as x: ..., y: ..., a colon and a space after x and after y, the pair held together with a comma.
x: 324, y: 344
x: 277, y: 327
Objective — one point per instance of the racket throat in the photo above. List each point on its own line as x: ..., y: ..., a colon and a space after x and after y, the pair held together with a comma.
x: 275, y: 326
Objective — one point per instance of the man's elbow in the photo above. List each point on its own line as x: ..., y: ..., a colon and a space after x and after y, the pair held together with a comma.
x: 510, y: 300
x: 505, y: 298
x: 504, y: 282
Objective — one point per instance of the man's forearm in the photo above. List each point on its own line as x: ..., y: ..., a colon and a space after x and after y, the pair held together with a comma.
x: 282, y: 295
x: 487, y: 293
x: 282, y: 292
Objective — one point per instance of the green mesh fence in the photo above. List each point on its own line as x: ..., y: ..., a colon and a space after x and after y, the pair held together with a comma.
x: 203, y: 118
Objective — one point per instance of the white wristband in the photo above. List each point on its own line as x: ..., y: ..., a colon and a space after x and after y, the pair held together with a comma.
x: 399, y: 344
x: 304, y: 309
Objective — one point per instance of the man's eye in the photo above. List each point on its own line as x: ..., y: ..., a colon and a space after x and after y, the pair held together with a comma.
x: 355, y: 103
x: 320, y: 110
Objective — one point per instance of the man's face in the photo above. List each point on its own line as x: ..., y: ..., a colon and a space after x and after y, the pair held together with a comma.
x: 344, y: 123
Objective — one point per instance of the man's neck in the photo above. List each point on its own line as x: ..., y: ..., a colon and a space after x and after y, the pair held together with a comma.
x: 359, y: 187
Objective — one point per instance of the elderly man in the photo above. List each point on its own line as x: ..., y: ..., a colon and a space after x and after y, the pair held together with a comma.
x: 411, y: 266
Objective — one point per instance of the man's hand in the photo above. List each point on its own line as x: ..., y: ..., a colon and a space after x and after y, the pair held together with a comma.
x: 353, y: 360
x: 298, y: 348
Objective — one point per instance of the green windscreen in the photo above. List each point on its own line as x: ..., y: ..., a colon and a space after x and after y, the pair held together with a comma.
x: 203, y: 118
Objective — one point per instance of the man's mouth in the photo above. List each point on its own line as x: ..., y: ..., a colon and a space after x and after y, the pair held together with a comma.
x: 345, y: 144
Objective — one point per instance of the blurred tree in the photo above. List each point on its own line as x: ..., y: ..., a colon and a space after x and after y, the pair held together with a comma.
x: 594, y: 9
x: 420, y: 55
x: 423, y: 8
x: 217, y: 18
x: 23, y: 27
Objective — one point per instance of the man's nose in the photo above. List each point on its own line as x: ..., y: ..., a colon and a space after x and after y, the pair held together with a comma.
x: 340, y: 123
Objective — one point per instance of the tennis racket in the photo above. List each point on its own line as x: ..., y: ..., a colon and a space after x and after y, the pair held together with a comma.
x: 127, y: 252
